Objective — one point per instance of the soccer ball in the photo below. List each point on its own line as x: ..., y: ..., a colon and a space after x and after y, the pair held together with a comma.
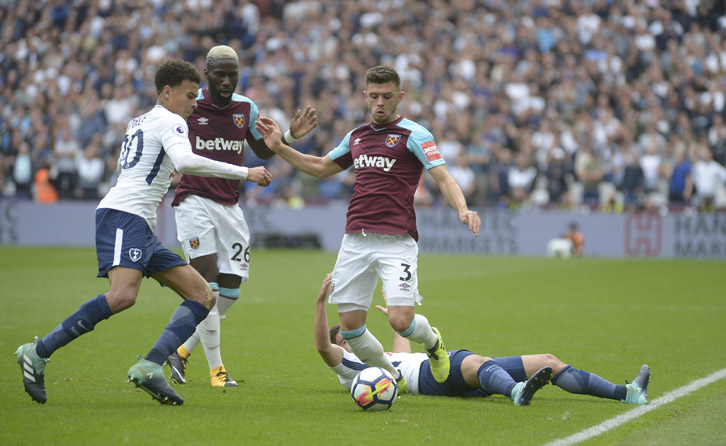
x: 374, y: 389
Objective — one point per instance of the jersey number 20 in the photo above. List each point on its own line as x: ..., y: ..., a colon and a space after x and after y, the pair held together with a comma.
x: 135, y: 144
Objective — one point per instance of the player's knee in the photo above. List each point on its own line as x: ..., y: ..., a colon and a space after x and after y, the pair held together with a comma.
x: 119, y: 300
x: 400, y: 322
x: 479, y: 360
x: 552, y: 361
x: 208, y: 298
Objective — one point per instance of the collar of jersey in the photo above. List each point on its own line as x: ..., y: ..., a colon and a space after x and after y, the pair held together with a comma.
x: 385, y: 126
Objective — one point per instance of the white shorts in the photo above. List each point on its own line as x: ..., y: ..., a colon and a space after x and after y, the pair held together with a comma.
x: 362, y: 259
x: 206, y: 227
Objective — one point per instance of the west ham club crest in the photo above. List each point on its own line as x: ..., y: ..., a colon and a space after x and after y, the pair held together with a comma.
x: 239, y: 120
x: 392, y: 139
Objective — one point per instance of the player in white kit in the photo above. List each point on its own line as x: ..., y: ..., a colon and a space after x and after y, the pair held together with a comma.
x: 517, y: 377
x: 154, y: 146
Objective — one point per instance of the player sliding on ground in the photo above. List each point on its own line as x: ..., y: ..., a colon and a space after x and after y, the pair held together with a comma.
x: 517, y: 377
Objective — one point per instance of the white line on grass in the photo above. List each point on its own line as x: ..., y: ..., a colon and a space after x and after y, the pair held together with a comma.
x: 638, y: 411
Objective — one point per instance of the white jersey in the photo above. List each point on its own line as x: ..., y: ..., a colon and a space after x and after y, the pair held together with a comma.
x: 145, y: 170
x: 408, y: 363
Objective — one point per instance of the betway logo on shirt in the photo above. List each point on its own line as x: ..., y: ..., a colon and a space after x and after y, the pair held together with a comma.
x: 374, y: 161
x: 219, y: 144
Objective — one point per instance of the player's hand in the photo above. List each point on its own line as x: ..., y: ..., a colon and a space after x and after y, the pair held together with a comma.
x: 325, y: 287
x: 303, y: 122
x: 381, y: 308
x: 259, y: 175
x: 270, y: 132
x: 471, y: 219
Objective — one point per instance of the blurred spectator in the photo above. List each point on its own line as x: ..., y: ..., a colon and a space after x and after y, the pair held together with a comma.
x: 479, y: 156
x: 450, y: 147
x: 708, y: 176
x: 90, y: 171
x: 589, y: 171
x: 680, y: 186
x: 581, y: 76
x: 717, y: 136
x: 649, y: 163
x: 499, y: 179
x: 63, y: 164
x: 464, y: 175
x: 632, y: 183
x: 520, y: 178
x: 23, y: 171
x: 558, y: 174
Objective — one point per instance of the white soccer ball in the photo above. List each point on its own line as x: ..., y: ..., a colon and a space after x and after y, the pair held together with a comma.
x: 374, y: 389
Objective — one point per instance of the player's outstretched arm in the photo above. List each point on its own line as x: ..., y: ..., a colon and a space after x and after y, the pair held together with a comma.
x: 185, y: 161
x: 319, y: 167
x: 451, y: 190
x: 332, y: 354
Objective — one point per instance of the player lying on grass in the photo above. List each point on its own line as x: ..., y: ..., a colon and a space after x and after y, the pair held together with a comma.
x: 517, y: 377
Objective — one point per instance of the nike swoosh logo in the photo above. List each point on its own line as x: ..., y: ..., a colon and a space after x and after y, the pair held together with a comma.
x: 80, y: 324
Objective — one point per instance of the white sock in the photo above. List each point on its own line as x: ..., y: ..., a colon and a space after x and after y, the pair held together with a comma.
x: 194, y: 339
x: 192, y: 342
x: 422, y: 332
x: 223, y: 304
x: 208, y: 331
x: 369, y: 350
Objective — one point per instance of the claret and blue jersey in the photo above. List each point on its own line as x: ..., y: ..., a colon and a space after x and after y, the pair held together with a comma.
x: 219, y: 134
x: 388, y: 161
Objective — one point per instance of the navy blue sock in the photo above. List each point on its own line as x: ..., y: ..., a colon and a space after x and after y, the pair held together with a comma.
x: 181, y: 325
x: 582, y: 382
x: 494, y: 379
x: 81, y: 322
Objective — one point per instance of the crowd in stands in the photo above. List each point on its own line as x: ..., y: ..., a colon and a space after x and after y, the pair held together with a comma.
x: 608, y: 104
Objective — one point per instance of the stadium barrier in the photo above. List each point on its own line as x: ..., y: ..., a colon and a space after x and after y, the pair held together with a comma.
x: 525, y: 233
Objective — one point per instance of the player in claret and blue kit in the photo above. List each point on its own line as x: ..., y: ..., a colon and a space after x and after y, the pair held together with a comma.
x: 389, y: 155
x: 211, y: 226
x: 154, y: 146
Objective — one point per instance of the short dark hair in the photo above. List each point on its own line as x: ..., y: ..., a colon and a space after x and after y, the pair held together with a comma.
x: 334, y: 330
x: 173, y: 72
x: 382, y: 74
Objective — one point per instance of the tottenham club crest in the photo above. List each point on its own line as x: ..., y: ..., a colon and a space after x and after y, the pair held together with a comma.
x: 239, y: 120
x: 194, y: 242
x: 134, y: 254
x: 392, y: 139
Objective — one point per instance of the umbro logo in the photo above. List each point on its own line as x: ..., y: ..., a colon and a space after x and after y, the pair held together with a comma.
x: 356, y: 141
x: 203, y: 121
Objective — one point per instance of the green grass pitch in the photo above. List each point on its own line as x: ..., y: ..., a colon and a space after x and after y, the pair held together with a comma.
x: 602, y: 315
